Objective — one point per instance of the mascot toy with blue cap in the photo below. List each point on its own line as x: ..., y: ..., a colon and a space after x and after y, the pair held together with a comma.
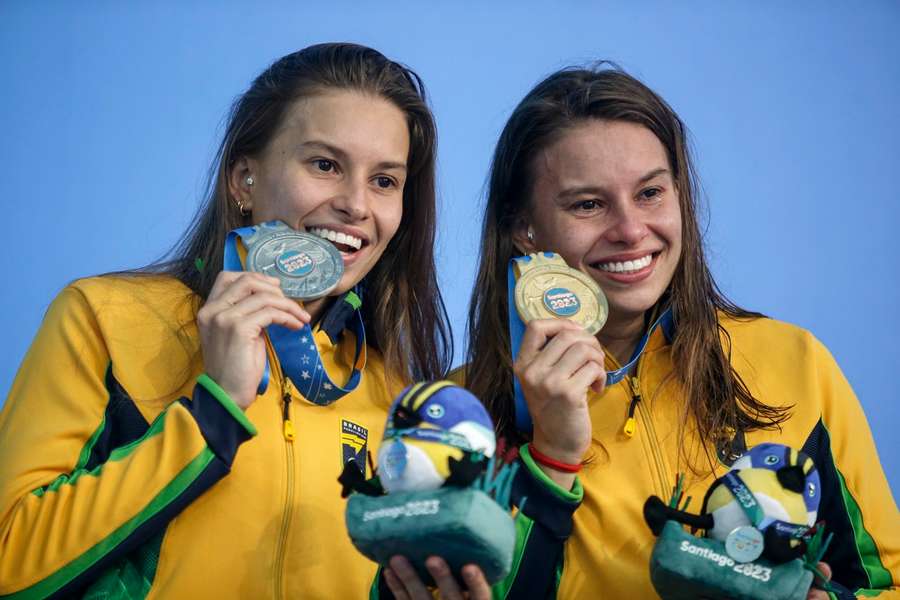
x: 761, y: 541
x: 436, y: 490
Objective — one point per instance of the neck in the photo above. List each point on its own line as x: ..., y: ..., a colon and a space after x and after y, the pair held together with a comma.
x: 620, y: 338
x: 317, y: 308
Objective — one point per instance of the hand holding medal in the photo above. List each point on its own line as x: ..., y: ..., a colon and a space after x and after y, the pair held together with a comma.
x: 240, y: 307
x: 307, y: 267
x: 557, y: 356
x: 543, y: 286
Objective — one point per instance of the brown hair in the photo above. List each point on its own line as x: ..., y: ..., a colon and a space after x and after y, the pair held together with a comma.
x: 402, y: 308
x: 717, y: 400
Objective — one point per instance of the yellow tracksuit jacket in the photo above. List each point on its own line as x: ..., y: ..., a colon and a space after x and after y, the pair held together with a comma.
x: 593, y: 542
x: 126, y: 473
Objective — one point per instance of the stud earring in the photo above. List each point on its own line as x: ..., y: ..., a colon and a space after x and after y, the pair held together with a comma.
x: 249, y: 180
x: 531, y: 235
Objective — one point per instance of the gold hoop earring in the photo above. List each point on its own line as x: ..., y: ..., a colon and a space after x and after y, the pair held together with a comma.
x: 242, y: 209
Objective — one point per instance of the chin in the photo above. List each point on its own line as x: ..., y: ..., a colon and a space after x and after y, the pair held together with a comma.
x: 347, y: 283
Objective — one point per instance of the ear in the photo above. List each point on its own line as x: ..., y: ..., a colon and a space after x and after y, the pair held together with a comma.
x: 520, y: 237
x: 236, y: 179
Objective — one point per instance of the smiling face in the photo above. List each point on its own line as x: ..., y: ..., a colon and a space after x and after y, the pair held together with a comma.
x: 335, y: 168
x: 604, y: 198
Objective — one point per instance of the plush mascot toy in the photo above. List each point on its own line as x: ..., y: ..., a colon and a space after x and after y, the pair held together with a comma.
x: 760, y: 540
x: 432, y: 433
x: 436, y: 489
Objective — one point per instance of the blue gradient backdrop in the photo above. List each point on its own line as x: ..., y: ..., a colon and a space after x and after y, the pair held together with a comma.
x: 110, y: 116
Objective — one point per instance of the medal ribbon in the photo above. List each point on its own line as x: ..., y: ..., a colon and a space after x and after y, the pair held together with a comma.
x: 517, y: 330
x: 296, y: 350
x: 748, y: 503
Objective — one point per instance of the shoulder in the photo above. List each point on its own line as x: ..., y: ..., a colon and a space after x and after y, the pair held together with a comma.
x: 91, y: 302
x: 772, y: 344
x: 771, y: 339
x: 786, y: 365
x: 124, y: 299
x: 151, y: 290
x: 147, y: 324
x: 142, y: 327
x: 760, y: 326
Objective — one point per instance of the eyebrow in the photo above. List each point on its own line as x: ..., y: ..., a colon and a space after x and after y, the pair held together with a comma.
x: 593, y: 189
x: 653, y: 175
x: 340, y: 154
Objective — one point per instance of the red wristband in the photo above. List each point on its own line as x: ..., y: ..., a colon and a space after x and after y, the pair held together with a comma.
x: 543, y: 459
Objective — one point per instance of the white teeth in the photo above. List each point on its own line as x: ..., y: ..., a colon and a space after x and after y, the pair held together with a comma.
x: 335, y: 236
x: 629, y: 266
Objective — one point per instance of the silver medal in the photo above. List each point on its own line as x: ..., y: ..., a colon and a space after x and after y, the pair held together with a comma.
x: 308, y: 266
x: 744, y: 544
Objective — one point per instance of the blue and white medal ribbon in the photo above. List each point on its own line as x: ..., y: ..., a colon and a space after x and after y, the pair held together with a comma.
x: 746, y: 499
x: 296, y: 350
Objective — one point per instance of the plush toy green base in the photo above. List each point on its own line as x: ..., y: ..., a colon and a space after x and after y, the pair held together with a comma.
x: 685, y: 567
x: 462, y: 526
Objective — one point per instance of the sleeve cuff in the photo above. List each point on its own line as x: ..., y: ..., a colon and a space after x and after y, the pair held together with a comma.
x: 576, y: 494
x: 543, y: 501
x: 227, y: 403
x: 221, y: 422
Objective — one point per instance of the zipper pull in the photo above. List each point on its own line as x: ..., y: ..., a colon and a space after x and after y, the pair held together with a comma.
x: 289, y: 430
x: 288, y: 426
x: 631, y: 423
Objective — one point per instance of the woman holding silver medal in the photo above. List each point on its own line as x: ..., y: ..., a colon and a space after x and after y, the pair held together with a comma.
x: 592, y: 185
x: 156, y: 441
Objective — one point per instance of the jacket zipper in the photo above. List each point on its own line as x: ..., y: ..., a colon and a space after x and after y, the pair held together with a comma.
x: 288, y: 431
x: 655, y: 450
x: 630, y: 423
x: 635, y: 410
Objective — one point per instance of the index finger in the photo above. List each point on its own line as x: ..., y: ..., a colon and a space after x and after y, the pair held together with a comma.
x: 404, y: 571
x: 443, y: 577
x: 539, y: 332
x: 476, y: 583
x: 225, y: 279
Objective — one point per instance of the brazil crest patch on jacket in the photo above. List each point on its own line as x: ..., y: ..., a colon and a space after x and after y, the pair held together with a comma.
x: 353, y: 444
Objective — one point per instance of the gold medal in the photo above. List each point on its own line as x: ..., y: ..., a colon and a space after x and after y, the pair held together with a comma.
x: 548, y: 288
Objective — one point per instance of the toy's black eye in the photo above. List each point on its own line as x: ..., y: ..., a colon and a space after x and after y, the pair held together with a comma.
x: 404, y: 418
x: 771, y: 459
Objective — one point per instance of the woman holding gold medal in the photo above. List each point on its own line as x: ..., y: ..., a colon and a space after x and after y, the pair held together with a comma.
x: 178, y: 432
x: 592, y: 188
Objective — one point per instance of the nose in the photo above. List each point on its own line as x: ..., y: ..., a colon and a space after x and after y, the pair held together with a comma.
x: 628, y: 227
x: 352, y: 200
